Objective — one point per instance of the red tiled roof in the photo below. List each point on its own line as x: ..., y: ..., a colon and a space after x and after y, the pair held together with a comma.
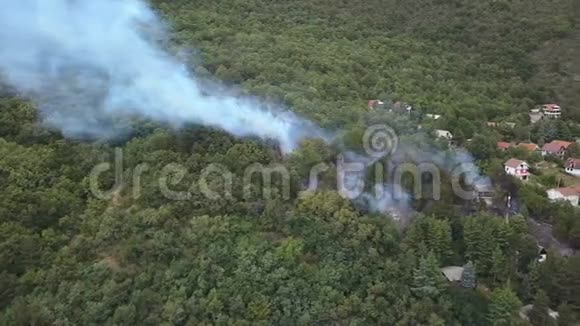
x: 528, y: 146
x: 514, y: 163
x: 569, y: 191
x: 555, y: 146
x: 503, y: 145
x: 551, y: 107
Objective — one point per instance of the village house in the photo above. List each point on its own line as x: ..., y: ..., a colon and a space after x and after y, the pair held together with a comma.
x: 525, y: 311
x: 556, y: 148
x: 573, y: 166
x: 433, y: 116
x: 445, y: 134
x: 517, y: 168
x: 376, y: 104
x: 535, y: 115
x: 452, y: 273
x: 503, y: 146
x: 530, y: 147
x: 570, y: 194
x: 552, y: 111
x: 484, y: 192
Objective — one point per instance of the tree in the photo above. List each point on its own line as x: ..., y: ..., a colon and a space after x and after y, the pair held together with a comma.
x: 503, y: 307
x: 498, y: 264
x: 539, y: 315
x: 427, y: 279
x: 469, y: 277
x: 531, y: 281
x: 566, y: 315
x: 482, y: 146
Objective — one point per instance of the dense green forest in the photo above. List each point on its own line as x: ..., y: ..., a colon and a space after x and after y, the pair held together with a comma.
x: 70, y: 258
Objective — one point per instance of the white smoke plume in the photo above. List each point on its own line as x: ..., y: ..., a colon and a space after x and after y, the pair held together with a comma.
x: 92, y: 64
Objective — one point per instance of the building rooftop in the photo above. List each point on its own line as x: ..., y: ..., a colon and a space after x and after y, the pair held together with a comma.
x: 551, y: 107
x: 555, y: 146
x: 573, y: 162
x: 514, y: 163
x: 529, y: 146
x: 503, y: 145
x: 568, y: 191
x: 452, y: 273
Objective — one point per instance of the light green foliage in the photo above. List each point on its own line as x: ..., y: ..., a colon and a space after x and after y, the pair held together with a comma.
x: 427, y: 279
x: 503, y: 307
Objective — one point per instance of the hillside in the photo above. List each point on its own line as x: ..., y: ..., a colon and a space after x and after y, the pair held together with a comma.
x: 129, y: 231
x: 559, y: 68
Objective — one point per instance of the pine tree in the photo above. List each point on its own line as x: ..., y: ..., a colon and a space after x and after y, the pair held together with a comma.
x: 498, y: 264
x: 427, y: 278
x: 565, y: 315
x: 531, y: 281
x: 539, y: 314
x: 469, y: 276
x: 503, y: 307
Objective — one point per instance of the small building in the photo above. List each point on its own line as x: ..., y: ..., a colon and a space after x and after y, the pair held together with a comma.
x: 445, y: 134
x: 542, y: 255
x: 376, y: 104
x: 452, y: 273
x: 525, y: 311
x: 530, y: 147
x: 573, y: 166
x: 433, y: 116
x: 484, y: 192
x: 552, y: 111
x: 535, y: 116
x: 511, y: 125
x: 503, y: 146
x: 570, y: 194
x: 517, y: 168
x: 556, y: 147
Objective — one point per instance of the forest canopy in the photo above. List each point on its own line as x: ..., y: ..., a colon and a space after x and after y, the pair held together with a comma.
x: 70, y: 258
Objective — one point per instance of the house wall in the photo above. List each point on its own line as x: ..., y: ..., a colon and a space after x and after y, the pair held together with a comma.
x: 519, y: 172
x: 574, y: 172
x: 555, y: 195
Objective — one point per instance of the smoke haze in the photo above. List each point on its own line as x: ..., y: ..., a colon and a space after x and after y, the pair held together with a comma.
x: 91, y: 65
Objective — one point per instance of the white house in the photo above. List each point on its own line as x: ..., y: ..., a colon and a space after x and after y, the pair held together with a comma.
x: 443, y: 134
x: 570, y: 194
x: 573, y: 166
x: 517, y: 168
x: 552, y: 111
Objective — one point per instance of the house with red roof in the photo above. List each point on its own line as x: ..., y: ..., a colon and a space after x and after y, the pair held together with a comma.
x: 573, y: 166
x: 517, y: 168
x: 503, y: 146
x: 571, y: 194
x: 552, y: 111
x: 530, y: 147
x: 556, y: 148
